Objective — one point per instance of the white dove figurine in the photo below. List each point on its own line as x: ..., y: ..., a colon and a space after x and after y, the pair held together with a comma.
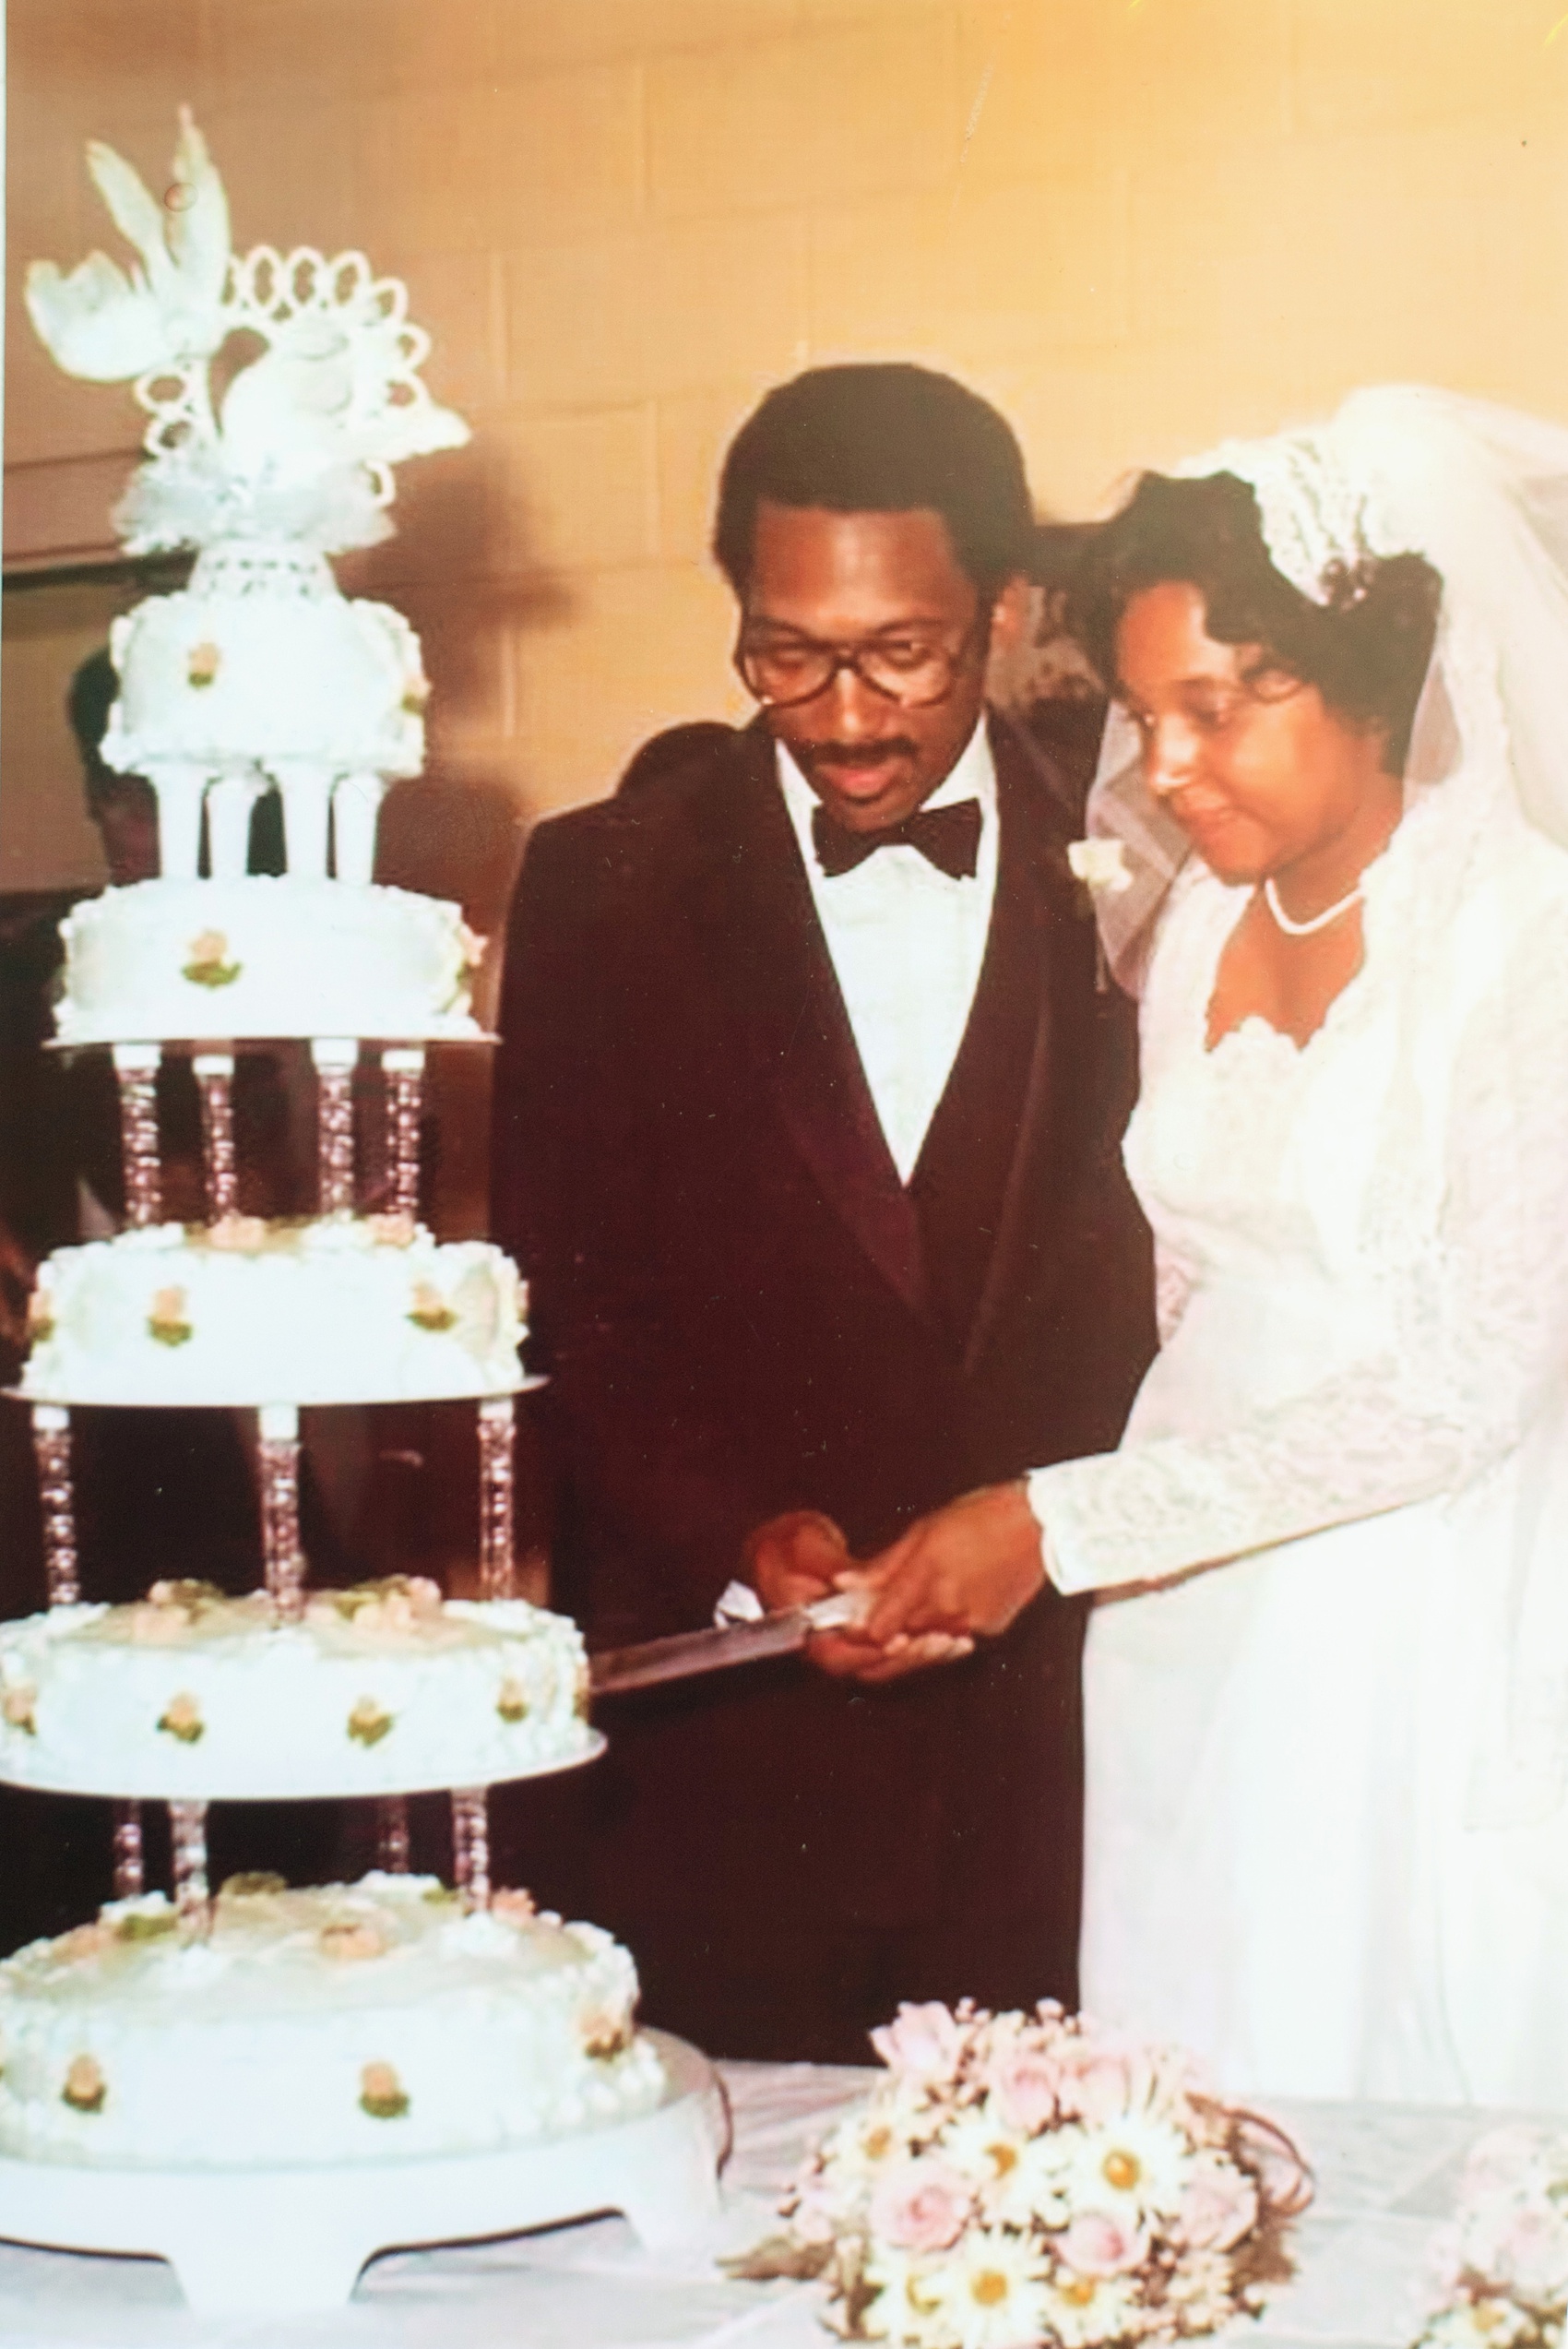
x: 109, y: 325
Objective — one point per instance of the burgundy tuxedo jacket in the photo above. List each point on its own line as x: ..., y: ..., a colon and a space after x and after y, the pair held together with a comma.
x: 742, y: 1309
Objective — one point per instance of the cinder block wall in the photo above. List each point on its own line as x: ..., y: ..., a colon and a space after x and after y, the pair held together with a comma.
x: 1137, y: 224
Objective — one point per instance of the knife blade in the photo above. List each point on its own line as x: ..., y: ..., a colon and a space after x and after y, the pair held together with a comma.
x: 684, y: 1654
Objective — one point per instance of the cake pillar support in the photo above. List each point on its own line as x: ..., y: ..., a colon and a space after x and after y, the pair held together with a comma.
x: 392, y: 1834
x: 135, y: 1073
x: 215, y: 1078
x: 229, y: 805
x: 56, y: 1494
x: 356, y: 805
x: 334, y: 1057
x: 497, y: 1476
x: 130, y: 1873
x: 307, y: 797
x: 470, y: 1845
x: 180, y: 790
x: 403, y: 1068
x: 187, y: 1823
x: 278, y: 1453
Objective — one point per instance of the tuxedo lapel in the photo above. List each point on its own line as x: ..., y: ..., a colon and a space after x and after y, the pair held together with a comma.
x: 767, y: 952
x: 1058, y: 954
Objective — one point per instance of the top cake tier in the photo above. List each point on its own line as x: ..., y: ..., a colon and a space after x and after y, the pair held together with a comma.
x: 260, y: 658
x: 260, y: 676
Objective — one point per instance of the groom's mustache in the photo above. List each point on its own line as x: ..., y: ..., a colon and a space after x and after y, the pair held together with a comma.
x: 861, y: 754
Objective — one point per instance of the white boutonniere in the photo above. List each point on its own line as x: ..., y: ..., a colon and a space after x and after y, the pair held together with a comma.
x: 1101, y: 865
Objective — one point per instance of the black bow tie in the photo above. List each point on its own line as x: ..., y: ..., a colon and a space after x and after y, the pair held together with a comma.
x: 948, y: 837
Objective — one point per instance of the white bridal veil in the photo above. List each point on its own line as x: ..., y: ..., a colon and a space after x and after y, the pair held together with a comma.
x: 1483, y: 492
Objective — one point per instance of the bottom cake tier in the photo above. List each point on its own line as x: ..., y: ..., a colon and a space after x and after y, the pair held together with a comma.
x: 374, y: 2022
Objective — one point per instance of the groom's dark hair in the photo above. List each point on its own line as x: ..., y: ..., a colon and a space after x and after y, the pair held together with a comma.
x: 880, y: 439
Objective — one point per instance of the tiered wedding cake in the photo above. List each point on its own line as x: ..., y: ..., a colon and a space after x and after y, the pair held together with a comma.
x: 269, y: 2030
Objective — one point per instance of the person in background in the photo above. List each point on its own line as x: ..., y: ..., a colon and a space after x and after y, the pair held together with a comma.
x: 805, y: 1121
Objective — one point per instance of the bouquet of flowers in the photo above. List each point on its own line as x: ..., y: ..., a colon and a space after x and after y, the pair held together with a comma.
x: 1036, y: 2179
x: 1504, y: 2262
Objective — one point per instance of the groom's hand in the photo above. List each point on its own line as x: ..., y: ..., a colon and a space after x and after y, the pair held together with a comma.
x: 795, y: 1559
x: 966, y: 1571
x: 803, y: 1556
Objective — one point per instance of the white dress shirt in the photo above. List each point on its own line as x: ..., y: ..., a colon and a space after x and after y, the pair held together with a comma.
x: 907, y: 942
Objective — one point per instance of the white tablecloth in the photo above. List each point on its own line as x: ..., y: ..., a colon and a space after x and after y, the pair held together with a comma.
x: 1387, y: 2176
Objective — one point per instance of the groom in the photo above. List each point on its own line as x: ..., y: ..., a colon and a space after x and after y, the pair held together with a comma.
x: 806, y: 1121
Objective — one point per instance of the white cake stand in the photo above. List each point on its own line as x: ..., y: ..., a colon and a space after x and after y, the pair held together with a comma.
x: 283, y: 2241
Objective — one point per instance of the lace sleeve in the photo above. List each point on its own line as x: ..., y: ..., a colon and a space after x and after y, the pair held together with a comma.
x: 1474, y: 1259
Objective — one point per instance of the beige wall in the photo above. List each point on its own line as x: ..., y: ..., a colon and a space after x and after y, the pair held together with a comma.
x: 1135, y: 226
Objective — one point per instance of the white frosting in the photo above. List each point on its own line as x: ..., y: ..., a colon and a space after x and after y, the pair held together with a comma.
x: 386, y: 1689
x: 260, y: 660
x: 272, y: 957
x: 326, y: 1312
x: 262, y: 2047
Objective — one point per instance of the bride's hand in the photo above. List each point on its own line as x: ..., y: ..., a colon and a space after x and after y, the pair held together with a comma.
x: 968, y: 1570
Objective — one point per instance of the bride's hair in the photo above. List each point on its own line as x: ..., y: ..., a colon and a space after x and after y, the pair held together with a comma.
x: 1366, y: 648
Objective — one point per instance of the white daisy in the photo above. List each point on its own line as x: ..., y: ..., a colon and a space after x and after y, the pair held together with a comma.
x: 1081, y: 2310
x: 1481, y: 2324
x: 994, y: 2292
x: 1017, y: 2178
x: 862, y: 2146
x: 909, y: 2306
x: 1202, y: 2288
x: 1135, y: 2163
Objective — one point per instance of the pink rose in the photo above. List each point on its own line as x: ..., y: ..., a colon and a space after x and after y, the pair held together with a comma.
x: 1502, y: 2159
x: 1219, y: 2204
x: 923, y: 2042
x: 1024, y: 2081
x: 1094, y: 2083
x: 1530, y: 2247
x: 1096, y: 2244
x: 921, y: 2205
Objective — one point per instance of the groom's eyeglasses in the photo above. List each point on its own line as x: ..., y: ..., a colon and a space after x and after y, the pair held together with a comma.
x: 780, y: 667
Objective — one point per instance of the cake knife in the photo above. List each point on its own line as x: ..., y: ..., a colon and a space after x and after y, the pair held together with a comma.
x: 686, y: 1653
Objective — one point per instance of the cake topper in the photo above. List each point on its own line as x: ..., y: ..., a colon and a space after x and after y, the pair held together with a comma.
x: 302, y: 443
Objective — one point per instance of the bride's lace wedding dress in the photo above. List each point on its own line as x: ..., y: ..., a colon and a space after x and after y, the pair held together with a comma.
x: 1327, y: 1673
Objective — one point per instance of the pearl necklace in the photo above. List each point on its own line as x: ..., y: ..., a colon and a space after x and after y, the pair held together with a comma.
x: 1318, y: 921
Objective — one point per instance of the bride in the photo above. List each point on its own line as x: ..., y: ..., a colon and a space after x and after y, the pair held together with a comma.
x: 1326, y: 1680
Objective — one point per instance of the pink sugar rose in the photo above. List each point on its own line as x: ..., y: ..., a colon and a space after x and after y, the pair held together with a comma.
x: 1219, y: 2204
x: 923, y: 2042
x: 85, y: 1941
x: 921, y: 2205
x: 517, y: 1907
x: 152, y: 1625
x: 1097, y: 2244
